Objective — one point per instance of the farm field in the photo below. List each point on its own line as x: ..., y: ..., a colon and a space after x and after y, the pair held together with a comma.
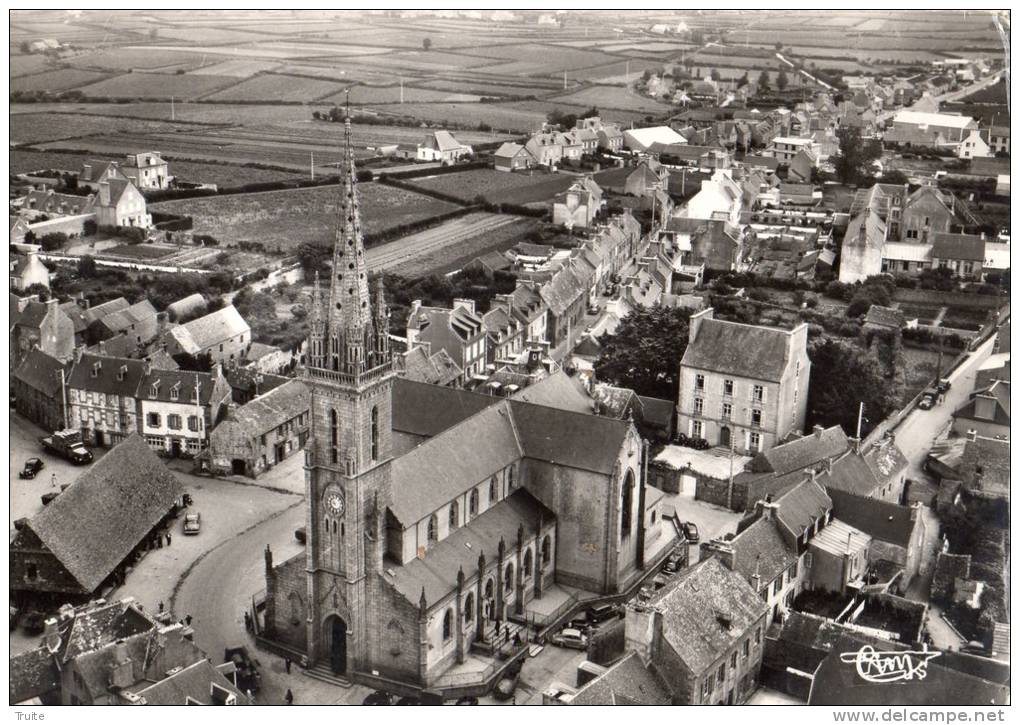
x: 614, y: 97
x: 391, y: 94
x: 204, y: 113
x: 31, y: 128
x: 284, y: 219
x: 615, y: 73
x: 157, y: 85
x: 223, y: 175
x: 56, y: 80
x: 23, y: 65
x: 124, y: 59
x: 444, y: 247
x: 498, y: 187
x: 236, y: 68
x: 484, y: 88
x: 497, y: 115
x: 208, y: 35
x: 272, y: 87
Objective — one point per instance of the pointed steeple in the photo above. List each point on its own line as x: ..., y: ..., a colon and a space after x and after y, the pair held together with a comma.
x: 382, y: 321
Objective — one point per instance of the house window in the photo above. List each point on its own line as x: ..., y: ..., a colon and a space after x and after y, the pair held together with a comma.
x: 510, y: 478
x: 708, y: 686
x: 757, y: 636
x: 174, y: 422
x: 777, y: 585
x: 153, y: 420
x: 727, y: 410
x: 627, y: 503
x: 755, y: 417
x: 733, y: 660
x: 699, y: 382
x: 448, y: 625
x: 493, y: 490
x: 721, y: 673
x: 33, y: 571
x: 754, y: 442
x: 696, y: 428
x: 454, y: 515
x: 433, y: 532
x: 175, y: 392
x: 758, y: 394
x: 699, y: 406
x: 375, y: 433
x: 473, y: 502
x: 794, y: 570
x: 808, y: 560
x: 727, y: 387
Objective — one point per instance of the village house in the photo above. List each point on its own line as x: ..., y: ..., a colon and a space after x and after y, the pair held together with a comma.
x: 179, y: 408
x: 247, y: 384
x: 102, y: 398
x: 526, y: 305
x: 545, y: 149
x: 638, y: 140
x: 504, y: 336
x: 974, y: 146
x: 120, y: 204
x: 114, y: 653
x: 566, y: 297
x: 513, y: 157
x: 577, y: 207
x: 262, y: 433
x: 998, y: 139
x: 709, y: 242
x: 95, y: 171
x: 458, y: 330
x: 720, y: 198
x: 703, y: 634
x: 421, y: 365
x: 743, y: 386
x: 52, y: 203
x: 187, y: 307
x: 38, y: 324
x: 86, y: 536
x: 268, y: 359
x: 223, y: 335
x: 26, y: 269
x: 147, y: 170
x: 139, y: 322
x: 987, y: 412
x: 441, y: 146
x: 785, y: 148
x: 954, y: 129
x: 962, y: 254
x: 37, y: 386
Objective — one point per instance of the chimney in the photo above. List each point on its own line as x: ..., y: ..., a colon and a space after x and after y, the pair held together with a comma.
x: 721, y: 549
x: 696, y: 320
x: 51, y: 635
x: 102, y: 347
x: 122, y: 670
x: 641, y: 625
x: 468, y: 305
x: 817, y: 430
x: 855, y: 444
x: 146, y: 367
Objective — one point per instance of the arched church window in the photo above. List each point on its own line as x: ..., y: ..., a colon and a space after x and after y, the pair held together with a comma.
x: 433, y: 528
x: 527, y: 564
x: 469, y: 607
x: 447, y: 625
x: 626, y: 504
x: 454, y: 515
x: 375, y: 433
x: 508, y: 578
x: 334, y: 436
x: 473, y: 502
x: 493, y: 490
x: 546, y: 549
x: 510, y: 483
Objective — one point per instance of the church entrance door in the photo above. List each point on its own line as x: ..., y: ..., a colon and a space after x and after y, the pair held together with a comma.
x: 338, y: 646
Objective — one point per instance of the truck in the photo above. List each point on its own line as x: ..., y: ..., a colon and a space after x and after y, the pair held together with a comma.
x: 69, y: 445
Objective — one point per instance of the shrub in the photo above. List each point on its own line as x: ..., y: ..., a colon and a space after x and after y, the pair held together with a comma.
x: 207, y: 240
x: 89, y: 228
x: 52, y: 241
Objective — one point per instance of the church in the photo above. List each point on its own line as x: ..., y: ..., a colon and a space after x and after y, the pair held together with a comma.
x: 433, y: 514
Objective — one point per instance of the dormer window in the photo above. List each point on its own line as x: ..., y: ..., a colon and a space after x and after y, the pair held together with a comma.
x: 154, y: 389
x: 175, y: 391
x: 122, y: 373
x: 96, y: 367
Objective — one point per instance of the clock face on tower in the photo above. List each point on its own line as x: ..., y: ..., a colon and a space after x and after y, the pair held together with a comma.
x: 335, y: 502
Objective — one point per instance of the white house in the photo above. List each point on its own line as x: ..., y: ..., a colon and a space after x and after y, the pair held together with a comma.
x: 639, y: 139
x: 974, y: 147
x: 120, y: 204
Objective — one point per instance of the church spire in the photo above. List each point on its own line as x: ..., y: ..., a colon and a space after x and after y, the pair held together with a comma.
x: 382, y: 320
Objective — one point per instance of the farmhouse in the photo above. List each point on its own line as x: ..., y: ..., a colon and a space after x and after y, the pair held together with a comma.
x: 38, y: 388
x: 577, y: 207
x: 441, y: 146
x: 147, y: 170
x: 513, y: 157
x: 120, y: 204
x: 34, y: 324
x: 962, y: 253
x: 223, y: 335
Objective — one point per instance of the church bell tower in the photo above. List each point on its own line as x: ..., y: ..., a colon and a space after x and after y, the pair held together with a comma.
x: 349, y: 371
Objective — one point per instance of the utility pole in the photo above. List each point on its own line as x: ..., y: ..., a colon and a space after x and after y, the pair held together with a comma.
x: 63, y: 397
x: 173, y: 115
x: 198, y: 411
x: 311, y: 164
x: 860, y: 419
x: 627, y: 74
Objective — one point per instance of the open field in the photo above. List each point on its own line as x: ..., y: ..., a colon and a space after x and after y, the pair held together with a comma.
x: 612, y: 97
x: 236, y: 68
x: 496, y: 115
x: 283, y: 219
x: 56, y: 80
x: 443, y: 247
x: 919, y: 368
x: 23, y: 65
x: 29, y: 128
x: 272, y: 87
x: 125, y: 59
x: 157, y: 85
x: 498, y: 187
x: 391, y: 94
x: 208, y: 35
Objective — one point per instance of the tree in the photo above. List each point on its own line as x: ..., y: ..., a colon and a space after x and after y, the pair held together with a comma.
x: 714, y: 75
x: 782, y: 81
x: 855, y: 156
x: 41, y: 290
x: 645, y: 352
x: 861, y: 379
x: 53, y: 241
x: 764, y: 80
x: 317, y: 115
x: 89, y: 228
x: 29, y: 237
x: 426, y: 43
x: 87, y: 266
x: 25, y: 48
x: 743, y: 80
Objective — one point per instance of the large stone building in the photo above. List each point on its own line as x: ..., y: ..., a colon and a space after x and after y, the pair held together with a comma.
x: 743, y: 386
x: 435, y: 513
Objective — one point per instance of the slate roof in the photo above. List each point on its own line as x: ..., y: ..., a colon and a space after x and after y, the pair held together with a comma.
x: 108, y: 375
x: 31, y: 315
x: 427, y: 410
x: 657, y: 412
x: 210, y: 330
x: 760, y: 549
x: 879, y: 519
x: 186, y: 305
x: 76, y: 314
x: 613, y: 401
x: 885, y: 316
x: 748, y: 351
x: 243, y: 379
x: 799, y: 454
x: 508, y: 150
x: 838, y: 537
x: 850, y: 473
x: 32, y: 673
x: 558, y: 390
x: 193, y: 681
x: 41, y: 372
x: 120, y: 320
x: 273, y: 408
x: 183, y: 381
x: 801, y: 506
x: 696, y: 606
x: 98, y: 312
x: 769, y: 162
x: 438, y: 368
x: 437, y: 571
x: 627, y: 682
x: 885, y: 460
x: 563, y: 289
x: 968, y: 247
x: 93, y: 525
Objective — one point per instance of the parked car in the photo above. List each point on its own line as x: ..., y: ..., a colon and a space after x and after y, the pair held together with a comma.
x: 944, y: 385
x: 928, y: 399
x: 974, y: 648
x: 570, y: 638
x: 192, y: 524
x: 645, y: 594
x: 659, y: 581
x: 34, y: 622
x: 379, y: 697
x: 301, y: 534
x: 603, y: 612
x: 245, y: 668
x: 32, y: 467
x: 691, y: 532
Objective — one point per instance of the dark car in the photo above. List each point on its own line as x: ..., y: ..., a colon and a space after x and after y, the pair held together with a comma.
x: 246, y: 672
x: 32, y: 467
x: 691, y: 532
x: 974, y: 648
x: 467, y: 700
x: 192, y: 524
x: 301, y: 535
x: 929, y: 399
x: 944, y: 385
x: 603, y: 612
x: 379, y: 697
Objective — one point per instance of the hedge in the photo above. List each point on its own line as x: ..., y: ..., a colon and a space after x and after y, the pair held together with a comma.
x: 433, y: 171
x: 171, y: 222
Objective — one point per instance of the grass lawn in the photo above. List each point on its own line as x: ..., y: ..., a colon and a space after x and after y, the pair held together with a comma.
x: 139, y: 251
x: 284, y: 219
x: 497, y: 186
x: 919, y: 369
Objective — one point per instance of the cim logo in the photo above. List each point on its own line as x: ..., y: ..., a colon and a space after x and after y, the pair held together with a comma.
x: 875, y: 666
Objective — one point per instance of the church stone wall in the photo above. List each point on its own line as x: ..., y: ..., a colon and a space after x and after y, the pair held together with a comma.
x: 395, y: 636
x: 289, y: 591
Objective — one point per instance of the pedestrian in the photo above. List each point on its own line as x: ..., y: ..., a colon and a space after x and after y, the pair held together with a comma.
x: 251, y: 698
x: 289, y: 697
x: 53, y: 480
x: 187, y: 620
x: 506, y: 635
x: 517, y: 640
x: 161, y: 607
x: 498, y: 623
x: 168, y: 538
x: 159, y: 541
x: 286, y: 664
